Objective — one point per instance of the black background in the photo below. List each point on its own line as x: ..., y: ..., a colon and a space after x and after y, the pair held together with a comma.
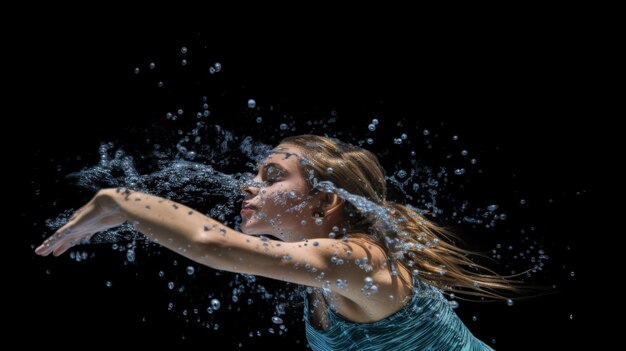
x: 520, y: 98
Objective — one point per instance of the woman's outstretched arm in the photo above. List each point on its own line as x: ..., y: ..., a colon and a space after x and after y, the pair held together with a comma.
x: 328, y: 263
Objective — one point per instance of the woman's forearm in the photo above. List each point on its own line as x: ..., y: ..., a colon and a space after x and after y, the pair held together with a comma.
x: 168, y: 223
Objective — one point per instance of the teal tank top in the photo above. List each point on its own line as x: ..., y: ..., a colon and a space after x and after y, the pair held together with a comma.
x: 426, y: 322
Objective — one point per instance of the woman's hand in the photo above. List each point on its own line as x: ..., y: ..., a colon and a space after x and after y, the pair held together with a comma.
x: 99, y: 214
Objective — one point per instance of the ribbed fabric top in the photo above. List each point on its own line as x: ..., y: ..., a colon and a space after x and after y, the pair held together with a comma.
x: 426, y: 322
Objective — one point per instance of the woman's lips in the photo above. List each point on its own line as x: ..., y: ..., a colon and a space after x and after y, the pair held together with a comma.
x: 246, y: 211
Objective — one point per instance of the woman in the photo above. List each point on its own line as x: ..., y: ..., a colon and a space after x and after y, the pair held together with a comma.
x: 378, y: 269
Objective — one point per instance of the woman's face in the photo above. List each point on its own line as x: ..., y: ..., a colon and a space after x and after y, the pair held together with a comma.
x: 278, y: 202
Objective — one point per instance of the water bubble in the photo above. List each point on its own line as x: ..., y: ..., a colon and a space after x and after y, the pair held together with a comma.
x: 426, y: 132
x: 315, y: 243
x: 277, y: 320
x: 152, y: 65
x: 136, y: 70
x: 251, y: 103
x: 161, y: 273
x: 371, y: 127
x: 375, y: 121
x: 215, y: 304
x: 259, y: 119
x: 370, y: 141
x: 459, y: 171
x: 464, y: 152
x: 401, y: 173
x: 180, y: 111
x: 397, y: 141
x: 183, y: 49
x: 453, y: 304
x: 303, y: 222
x: 455, y: 137
x: 108, y: 283
x: 522, y: 202
x: 329, y: 170
x: 183, y: 62
x: 170, y: 285
x: 572, y: 274
x: 509, y: 302
x: 190, y: 270
x: 212, y: 70
x: 473, y: 161
x: 492, y: 207
x: 130, y: 255
x: 283, y: 126
x: 404, y: 136
x: 474, y: 318
x: 160, y: 84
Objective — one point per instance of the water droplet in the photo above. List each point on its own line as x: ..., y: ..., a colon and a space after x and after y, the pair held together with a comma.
x: 453, y: 304
x: 459, y: 171
x: 492, y: 207
x: 426, y: 132
x: 329, y: 170
x: 170, y: 285
x: 215, y: 304
x: 401, y: 173
x: 318, y: 221
x: 370, y: 141
x: 183, y: 49
x: 109, y: 284
x: 522, y: 202
x: 190, y: 270
x: 259, y: 119
x: 315, y: 243
x: 130, y: 255
x: 464, y: 152
x: 277, y: 320
x: 371, y: 127
x: 375, y: 121
x: 474, y: 318
x: 509, y: 302
x: 283, y: 126
x: 160, y: 84
x: 218, y: 66
x: 183, y: 62
x: 136, y: 70
x: 251, y: 103
x: 455, y: 137
x: 404, y: 136
x: 572, y: 273
x: 161, y: 273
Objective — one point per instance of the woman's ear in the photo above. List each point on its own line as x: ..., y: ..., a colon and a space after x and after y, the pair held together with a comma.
x: 330, y: 203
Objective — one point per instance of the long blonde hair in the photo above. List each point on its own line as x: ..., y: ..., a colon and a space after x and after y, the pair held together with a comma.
x: 421, y: 246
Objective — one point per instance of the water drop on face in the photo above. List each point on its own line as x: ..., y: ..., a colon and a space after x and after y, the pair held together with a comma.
x: 215, y: 304
x: 251, y: 103
x: 318, y: 221
x: 190, y: 270
x: 277, y: 320
x: 315, y: 243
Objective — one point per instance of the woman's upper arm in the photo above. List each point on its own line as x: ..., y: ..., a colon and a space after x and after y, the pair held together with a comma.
x: 341, y: 266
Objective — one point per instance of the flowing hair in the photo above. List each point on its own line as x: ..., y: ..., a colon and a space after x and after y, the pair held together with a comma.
x: 409, y: 239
